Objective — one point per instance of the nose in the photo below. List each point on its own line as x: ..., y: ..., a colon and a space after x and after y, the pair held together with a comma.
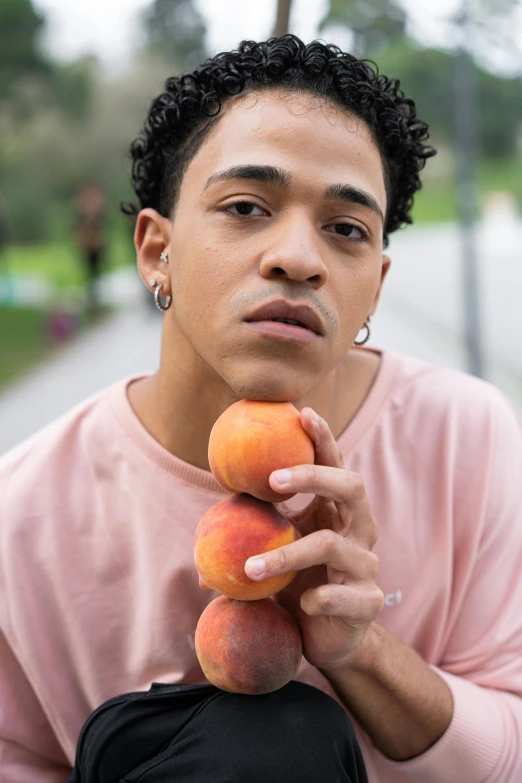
x: 294, y: 253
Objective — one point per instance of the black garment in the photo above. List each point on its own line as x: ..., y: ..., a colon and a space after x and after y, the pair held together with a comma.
x: 93, y: 267
x: 200, y: 734
x: 93, y: 259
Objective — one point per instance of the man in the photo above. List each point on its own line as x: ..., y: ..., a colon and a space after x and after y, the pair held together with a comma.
x: 269, y: 181
x: 90, y: 214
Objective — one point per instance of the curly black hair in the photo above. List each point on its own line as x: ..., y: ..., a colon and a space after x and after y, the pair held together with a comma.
x: 180, y: 118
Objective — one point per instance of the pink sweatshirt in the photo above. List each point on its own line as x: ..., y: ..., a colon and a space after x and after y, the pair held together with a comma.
x: 99, y: 594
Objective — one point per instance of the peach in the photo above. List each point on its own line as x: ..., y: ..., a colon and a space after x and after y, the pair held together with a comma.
x: 232, y: 531
x: 248, y: 646
x: 250, y: 440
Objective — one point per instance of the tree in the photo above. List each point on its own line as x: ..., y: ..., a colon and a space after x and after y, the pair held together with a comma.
x: 20, y: 27
x: 176, y: 31
x: 282, y: 17
x: 74, y: 86
x: 426, y: 74
x: 492, y: 32
x: 374, y: 23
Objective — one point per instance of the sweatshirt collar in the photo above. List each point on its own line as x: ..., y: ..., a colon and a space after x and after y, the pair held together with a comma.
x: 203, y: 479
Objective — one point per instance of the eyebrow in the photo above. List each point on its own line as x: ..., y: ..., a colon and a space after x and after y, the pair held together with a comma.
x: 269, y: 174
x: 353, y: 196
x: 280, y: 178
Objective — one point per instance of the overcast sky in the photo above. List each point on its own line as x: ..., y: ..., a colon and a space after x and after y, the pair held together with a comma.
x: 110, y: 28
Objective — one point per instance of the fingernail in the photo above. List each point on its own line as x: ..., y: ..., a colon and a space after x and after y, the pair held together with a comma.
x: 315, y: 419
x: 283, y: 476
x: 257, y: 567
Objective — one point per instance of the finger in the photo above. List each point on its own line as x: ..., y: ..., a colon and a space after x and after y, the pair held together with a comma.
x: 323, y: 547
x: 358, y: 604
x: 342, y: 486
x: 283, y: 508
x: 327, y: 450
x: 336, y: 484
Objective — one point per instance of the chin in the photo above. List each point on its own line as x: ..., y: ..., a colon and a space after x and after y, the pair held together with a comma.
x: 271, y: 387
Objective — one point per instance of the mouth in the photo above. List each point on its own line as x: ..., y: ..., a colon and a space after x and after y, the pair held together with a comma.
x: 286, y: 320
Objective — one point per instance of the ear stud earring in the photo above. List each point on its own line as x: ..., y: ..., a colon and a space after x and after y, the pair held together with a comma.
x: 157, y: 291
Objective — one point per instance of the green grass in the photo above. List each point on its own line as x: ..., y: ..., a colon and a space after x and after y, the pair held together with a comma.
x: 501, y: 175
x: 59, y: 262
x: 437, y: 202
x: 25, y: 339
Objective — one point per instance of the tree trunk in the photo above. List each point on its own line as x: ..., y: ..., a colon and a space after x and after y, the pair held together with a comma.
x: 283, y: 17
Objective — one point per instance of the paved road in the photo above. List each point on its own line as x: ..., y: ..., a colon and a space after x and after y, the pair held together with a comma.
x: 126, y: 343
x: 424, y: 290
x: 419, y: 314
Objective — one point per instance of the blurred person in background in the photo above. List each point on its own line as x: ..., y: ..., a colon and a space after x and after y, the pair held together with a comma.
x: 268, y: 182
x: 90, y: 233
x: 3, y: 233
x: 3, y: 225
x: 6, y: 286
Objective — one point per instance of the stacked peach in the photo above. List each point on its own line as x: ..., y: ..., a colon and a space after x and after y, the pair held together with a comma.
x: 245, y: 641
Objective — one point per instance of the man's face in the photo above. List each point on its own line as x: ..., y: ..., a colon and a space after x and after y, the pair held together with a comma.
x: 280, y: 206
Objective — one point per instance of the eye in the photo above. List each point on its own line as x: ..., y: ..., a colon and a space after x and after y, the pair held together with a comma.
x: 245, y: 208
x: 349, y: 230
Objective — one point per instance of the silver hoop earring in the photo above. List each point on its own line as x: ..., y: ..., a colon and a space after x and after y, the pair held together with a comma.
x: 165, y: 256
x: 157, y: 300
x: 366, y: 326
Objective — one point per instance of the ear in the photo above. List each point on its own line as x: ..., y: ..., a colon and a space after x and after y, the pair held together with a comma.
x: 151, y: 238
x: 386, y: 263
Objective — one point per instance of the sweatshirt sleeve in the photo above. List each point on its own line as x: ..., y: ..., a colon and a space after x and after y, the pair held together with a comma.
x: 29, y: 750
x: 482, y: 664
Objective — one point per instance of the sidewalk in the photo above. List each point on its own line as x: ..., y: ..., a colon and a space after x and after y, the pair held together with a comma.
x: 419, y: 314
x: 125, y: 343
x: 424, y: 291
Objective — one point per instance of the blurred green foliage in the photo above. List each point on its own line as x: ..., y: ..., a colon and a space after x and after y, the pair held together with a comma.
x: 19, y: 53
x: 176, y: 31
x: 63, y: 124
x: 374, y: 23
x: 426, y: 75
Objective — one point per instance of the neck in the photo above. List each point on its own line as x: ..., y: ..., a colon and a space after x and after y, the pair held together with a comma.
x: 179, y: 404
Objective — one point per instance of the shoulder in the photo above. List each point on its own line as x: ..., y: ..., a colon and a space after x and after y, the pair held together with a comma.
x: 38, y: 471
x: 460, y: 439
x: 437, y: 401
x: 458, y: 432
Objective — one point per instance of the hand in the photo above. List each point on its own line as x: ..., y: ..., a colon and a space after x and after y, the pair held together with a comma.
x: 334, y: 597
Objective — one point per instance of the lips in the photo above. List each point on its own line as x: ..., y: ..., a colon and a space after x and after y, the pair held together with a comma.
x: 305, y: 315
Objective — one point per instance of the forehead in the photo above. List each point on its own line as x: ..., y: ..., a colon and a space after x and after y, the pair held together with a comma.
x: 303, y: 133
